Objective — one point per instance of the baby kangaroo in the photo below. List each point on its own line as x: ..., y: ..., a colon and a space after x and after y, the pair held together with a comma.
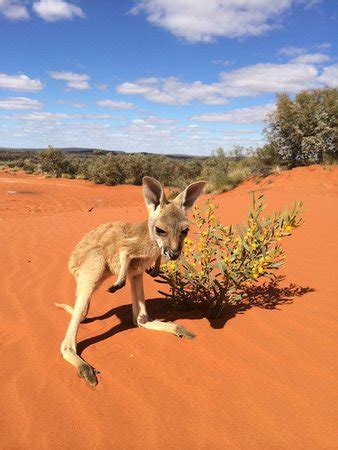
x: 127, y: 250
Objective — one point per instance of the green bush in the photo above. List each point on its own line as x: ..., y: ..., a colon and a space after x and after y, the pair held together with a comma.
x: 222, y: 263
x: 106, y: 170
x: 52, y: 161
x: 216, y: 170
x: 304, y: 131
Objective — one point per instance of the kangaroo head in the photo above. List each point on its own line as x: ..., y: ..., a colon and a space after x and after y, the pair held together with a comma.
x: 168, y: 222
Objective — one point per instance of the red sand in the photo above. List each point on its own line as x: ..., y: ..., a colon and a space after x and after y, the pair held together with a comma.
x: 266, y: 380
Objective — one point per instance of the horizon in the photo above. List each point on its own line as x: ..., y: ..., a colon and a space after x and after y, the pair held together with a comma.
x: 156, y: 76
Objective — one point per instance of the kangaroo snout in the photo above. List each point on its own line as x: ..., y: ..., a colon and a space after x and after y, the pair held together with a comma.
x: 172, y: 254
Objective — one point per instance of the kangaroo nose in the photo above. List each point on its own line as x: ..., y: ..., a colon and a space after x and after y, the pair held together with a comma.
x: 174, y: 254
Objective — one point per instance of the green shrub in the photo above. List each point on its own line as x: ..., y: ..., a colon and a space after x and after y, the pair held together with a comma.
x: 52, y: 161
x: 222, y: 263
x: 216, y: 170
x: 304, y: 130
x: 106, y: 170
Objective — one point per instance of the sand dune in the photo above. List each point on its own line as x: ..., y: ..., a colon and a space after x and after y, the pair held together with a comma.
x: 264, y: 379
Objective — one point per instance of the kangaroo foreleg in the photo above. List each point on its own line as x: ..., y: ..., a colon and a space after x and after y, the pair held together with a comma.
x: 155, y: 271
x: 122, y: 276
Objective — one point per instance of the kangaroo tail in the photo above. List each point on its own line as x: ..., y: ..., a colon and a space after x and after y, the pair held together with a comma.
x: 65, y: 307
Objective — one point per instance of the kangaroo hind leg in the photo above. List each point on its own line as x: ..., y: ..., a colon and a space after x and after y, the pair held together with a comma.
x: 89, y: 274
x: 141, y: 318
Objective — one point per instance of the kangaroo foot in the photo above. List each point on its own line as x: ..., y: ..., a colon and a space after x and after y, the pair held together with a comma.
x: 88, y: 373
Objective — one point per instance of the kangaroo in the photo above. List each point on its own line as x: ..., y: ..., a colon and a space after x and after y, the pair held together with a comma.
x: 127, y: 250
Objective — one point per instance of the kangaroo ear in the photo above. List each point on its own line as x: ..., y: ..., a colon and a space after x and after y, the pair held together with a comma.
x: 187, y: 198
x: 153, y: 193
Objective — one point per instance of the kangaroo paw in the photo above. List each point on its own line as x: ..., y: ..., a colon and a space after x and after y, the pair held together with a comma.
x: 152, y: 272
x: 116, y: 286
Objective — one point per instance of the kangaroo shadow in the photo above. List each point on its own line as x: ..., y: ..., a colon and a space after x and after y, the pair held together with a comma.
x: 266, y: 296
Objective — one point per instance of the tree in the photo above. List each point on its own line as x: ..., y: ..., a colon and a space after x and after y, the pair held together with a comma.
x: 304, y: 130
x: 52, y: 161
x: 216, y: 169
x: 106, y: 170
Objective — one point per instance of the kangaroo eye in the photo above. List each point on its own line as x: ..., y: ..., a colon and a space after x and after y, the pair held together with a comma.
x: 160, y: 232
x: 185, y: 232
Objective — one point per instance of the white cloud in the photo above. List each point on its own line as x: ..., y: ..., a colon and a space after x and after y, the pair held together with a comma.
x: 114, y: 104
x: 20, y: 83
x: 204, y: 21
x: 101, y: 86
x: 171, y: 91
x: 311, y: 58
x: 248, y: 115
x: 268, y: 78
x: 292, y: 51
x: 53, y: 10
x: 330, y: 76
x: 247, y: 81
x: 74, y: 80
x: 49, y: 10
x: 44, y: 116
x: 223, y: 62
x: 323, y: 46
x: 72, y: 104
x: 160, y: 120
x: 19, y: 103
x: 239, y: 131
x: 13, y: 10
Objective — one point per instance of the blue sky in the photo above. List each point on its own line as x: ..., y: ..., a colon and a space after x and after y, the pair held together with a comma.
x: 165, y: 76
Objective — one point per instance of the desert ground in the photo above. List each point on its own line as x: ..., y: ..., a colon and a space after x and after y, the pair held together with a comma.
x: 260, y: 379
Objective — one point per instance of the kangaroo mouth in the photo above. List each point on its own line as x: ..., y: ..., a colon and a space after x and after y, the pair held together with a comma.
x: 171, y: 256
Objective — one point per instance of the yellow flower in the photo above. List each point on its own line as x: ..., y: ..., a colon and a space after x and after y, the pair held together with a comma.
x: 288, y: 228
x: 254, y: 246
x: 255, y: 276
x: 267, y: 258
x: 171, y: 266
x: 187, y: 241
x: 260, y: 269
